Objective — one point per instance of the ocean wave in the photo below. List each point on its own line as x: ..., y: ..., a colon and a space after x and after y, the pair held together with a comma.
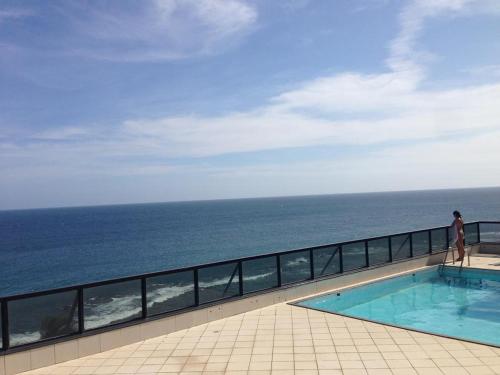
x: 160, y: 295
x: 297, y: 262
x: 24, y: 338
x: 257, y: 277
x: 118, y: 309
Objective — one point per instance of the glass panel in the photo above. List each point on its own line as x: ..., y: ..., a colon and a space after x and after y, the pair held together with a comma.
x: 170, y: 292
x: 420, y: 243
x: 37, y: 318
x: 353, y: 255
x: 217, y: 282
x: 490, y: 232
x: 295, y: 267
x: 112, y: 303
x: 326, y: 261
x: 259, y: 274
x: 438, y: 239
x: 450, y: 236
x: 400, y: 246
x: 378, y: 251
x: 471, y: 233
x: 1, y: 332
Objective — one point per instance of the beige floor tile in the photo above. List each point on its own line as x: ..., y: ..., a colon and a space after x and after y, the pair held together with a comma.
x: 479, y: 370
x: 367, y: 356
x: 148, y: 369
x: 328, y: 365
x: 305, y: 365
x: 260, y: 365
x: 85, y: 370
x: 330, y: 372
x: 306, y: 372
x: 378, y: 371
x: 404, y: 371
x: 446, y: 362
x: 238, y: 366
x: 106, y: 370
x: 375, y: 364
x: 351, y: 365
x: 453, y: 370
x: 428, y: 371
x: 218, y: 359
x: 393, y: 355
x: 349, y: 356
x: 215, y: 366
x: 261, y: 358
x: 177, y: 367
x: 354, y: 372
x: 422, y: 363
x: 282, y: 366
x: 398, y: 363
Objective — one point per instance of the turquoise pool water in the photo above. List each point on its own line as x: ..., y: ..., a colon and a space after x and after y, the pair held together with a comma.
x: 463, y: 305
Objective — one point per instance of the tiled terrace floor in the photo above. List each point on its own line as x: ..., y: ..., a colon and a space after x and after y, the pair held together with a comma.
x: 488, y: 261
x: 284, y: 339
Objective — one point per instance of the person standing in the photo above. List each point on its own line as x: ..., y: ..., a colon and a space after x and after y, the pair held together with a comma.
x: 458, y: 238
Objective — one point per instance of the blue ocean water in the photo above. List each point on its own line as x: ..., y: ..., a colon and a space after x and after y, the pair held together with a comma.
x: 449, y: 303
x: 48, y: 248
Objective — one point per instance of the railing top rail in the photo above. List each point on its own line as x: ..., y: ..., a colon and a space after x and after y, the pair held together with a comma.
x: 211, y: 264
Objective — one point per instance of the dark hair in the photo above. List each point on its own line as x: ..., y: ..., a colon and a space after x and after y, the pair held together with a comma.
x: 457, y: 214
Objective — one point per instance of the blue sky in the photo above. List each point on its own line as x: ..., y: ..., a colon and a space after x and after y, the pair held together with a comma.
x: 127, y: 101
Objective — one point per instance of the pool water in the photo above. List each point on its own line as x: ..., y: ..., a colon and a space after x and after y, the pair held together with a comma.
x: 464, y: 305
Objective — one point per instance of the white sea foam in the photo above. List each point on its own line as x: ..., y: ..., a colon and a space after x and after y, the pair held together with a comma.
x: 24, y: 338
x: 160, y: 295
x: 119, y: 308
x: 296, y: 262
x: 257, y: 277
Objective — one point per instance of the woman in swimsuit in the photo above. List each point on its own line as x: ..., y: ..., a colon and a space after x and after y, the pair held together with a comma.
x: 458, y: 238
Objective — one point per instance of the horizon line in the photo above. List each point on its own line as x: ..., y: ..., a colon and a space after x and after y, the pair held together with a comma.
x: 243, y: 198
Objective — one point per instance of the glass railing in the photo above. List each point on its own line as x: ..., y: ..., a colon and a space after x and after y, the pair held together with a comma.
x: 30, y: 319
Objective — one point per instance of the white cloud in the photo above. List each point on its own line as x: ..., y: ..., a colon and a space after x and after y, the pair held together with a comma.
x: 15, y: 13
x: 157, y: 29
x: 487, y: 71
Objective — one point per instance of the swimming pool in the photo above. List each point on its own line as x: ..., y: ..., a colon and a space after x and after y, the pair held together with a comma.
x: 463, y: 305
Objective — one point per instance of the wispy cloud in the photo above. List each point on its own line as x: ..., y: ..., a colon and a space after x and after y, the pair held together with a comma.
x: 155, y: 30
x: 15, y: 13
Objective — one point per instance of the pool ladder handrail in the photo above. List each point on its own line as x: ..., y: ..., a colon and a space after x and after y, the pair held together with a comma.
x: 441, y: 268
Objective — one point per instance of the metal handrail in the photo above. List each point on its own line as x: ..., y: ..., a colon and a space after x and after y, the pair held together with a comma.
x: 237, y: 272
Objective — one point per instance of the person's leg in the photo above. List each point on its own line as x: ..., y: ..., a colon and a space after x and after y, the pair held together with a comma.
x: 461, y: 250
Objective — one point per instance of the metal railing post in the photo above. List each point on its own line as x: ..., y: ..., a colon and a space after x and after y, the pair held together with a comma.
x: 144, y: 298
x: 5, y: 326
x: 447, y: 238
x: 240, y: 276
x: 390, y: 249
x: 81, y: 322
x: 367, y: 257
x: 196, y: 287
x: 278, y: 269
x: 411, y: 244
x: 430, y: 241
x: 478, y: 232
x: 311, y: 264
x: 341, y: 260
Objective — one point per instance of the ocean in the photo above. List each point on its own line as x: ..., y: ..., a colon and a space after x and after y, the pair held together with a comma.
x: 48, y: 248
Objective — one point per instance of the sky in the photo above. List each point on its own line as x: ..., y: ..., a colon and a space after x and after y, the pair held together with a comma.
x: 105, y: 102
